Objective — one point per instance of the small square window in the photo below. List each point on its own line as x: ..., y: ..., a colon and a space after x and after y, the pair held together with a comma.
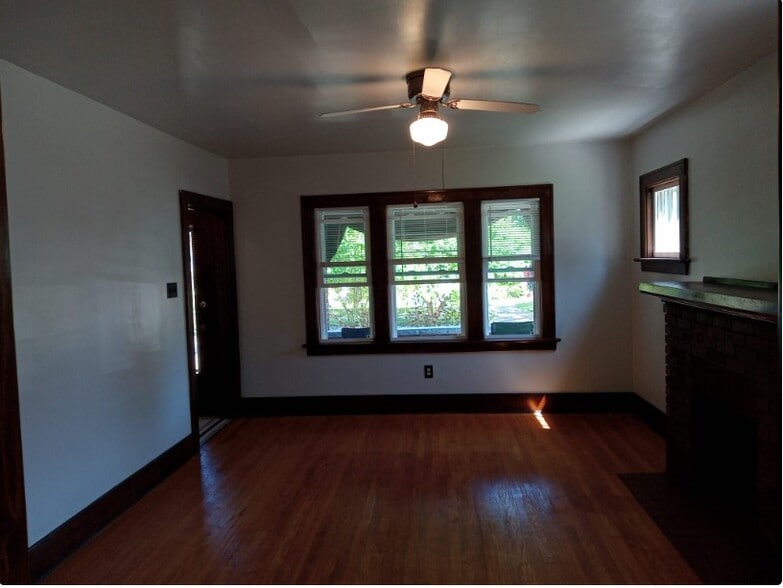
x: 664, y: 219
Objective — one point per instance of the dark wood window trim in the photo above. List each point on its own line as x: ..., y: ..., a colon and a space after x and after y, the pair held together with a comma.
x: 669, y: 175
x: 471, y: 199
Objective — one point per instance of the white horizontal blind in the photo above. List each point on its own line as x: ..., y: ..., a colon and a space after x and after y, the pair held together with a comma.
x: 426, y: 243
x: 511, y: 229
x: 342, y: 261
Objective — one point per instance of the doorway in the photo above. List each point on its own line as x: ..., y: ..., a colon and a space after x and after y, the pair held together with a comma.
x: 211, y: 300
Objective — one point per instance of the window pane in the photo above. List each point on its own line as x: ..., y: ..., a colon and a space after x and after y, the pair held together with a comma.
x: 511, y: 245
x: 509, y: 270
x: 511, y: 228
x: 511, y: 308
x: 346, y: 313
x: 426, y: 231
x: 344, y: 274
x: 428, y: 310
x: 426, y: 268
x: 347, y: 275
x: 430, y: 272
x: 666, y: 239
x: 343, y: 235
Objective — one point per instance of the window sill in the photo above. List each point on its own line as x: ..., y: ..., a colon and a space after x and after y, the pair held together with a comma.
x: 363, y: 348
x: 664, y: 265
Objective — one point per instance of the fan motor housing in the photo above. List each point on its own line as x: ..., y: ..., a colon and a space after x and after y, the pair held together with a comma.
x: 415, y: 81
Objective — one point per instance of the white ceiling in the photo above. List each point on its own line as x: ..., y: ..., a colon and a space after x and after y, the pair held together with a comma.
x: 245, y: 78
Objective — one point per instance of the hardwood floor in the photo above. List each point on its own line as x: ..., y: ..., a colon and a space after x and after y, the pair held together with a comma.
x: 438, y: 498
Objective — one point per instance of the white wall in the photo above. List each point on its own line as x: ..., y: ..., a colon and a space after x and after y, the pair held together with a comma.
x: 730, y: 137
x: 94, y: 235
x: 592, y: 244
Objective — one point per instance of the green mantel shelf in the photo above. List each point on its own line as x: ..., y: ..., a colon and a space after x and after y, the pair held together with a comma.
x: 743, y: 297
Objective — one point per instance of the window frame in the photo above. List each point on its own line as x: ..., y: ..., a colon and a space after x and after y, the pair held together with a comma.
x: 394, y: 261
x: 323, y: 287
x: 471, y: 199
x: 669, y: 175
x: 486, y: 212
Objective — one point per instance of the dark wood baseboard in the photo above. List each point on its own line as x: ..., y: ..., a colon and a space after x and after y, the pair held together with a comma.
x: 65, y: 539
x: 588, y: 402
x: 60, y: 543
x: 651, y: 415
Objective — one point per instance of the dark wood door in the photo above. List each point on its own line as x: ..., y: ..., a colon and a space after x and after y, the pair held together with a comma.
x: 210, y: 285
x: 13, y: 512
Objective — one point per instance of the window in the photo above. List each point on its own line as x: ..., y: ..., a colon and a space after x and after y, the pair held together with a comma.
x: 664, y: 219
x: 343, y: 275
x: 511, y: 257
x: 447, y: 270
x: 426, y: 270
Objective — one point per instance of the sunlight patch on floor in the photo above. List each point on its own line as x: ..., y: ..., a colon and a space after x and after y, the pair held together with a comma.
x: 541, y: 420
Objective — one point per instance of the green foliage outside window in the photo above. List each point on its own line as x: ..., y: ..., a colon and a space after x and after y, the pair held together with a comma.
x: 428, y: 305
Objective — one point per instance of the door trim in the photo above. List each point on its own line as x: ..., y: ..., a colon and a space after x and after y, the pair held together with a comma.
x: 14, y: 568
x: 200, y: 201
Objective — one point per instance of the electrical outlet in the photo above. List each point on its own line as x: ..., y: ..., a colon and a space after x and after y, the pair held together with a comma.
x: 428, y: 371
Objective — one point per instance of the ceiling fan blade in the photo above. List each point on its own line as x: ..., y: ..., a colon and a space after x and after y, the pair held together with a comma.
x: 435, y: 82
x: 494, y: 106
x: 371, y: 109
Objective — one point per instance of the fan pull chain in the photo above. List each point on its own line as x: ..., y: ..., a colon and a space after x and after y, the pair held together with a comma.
x: 413, y: 157
x: 442, y: 170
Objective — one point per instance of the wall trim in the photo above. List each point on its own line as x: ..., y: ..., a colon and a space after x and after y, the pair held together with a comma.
x: 650, y: 415
x: 583, y: 402
x: 73, y: 533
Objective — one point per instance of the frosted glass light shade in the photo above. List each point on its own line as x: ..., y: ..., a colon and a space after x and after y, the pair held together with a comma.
x: 429, y: 130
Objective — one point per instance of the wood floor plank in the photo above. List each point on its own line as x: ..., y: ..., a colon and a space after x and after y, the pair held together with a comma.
x: 426, y: 498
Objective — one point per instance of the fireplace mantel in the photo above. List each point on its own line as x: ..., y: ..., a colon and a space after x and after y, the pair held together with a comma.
x: 751, y: 299
x: 723, y: 401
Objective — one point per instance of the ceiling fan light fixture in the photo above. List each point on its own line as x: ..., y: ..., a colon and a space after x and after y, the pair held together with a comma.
x: 428, y: 89
x: 429, y: 129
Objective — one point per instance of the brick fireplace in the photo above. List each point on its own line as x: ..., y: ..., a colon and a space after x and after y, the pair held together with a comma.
x: 723, y: 406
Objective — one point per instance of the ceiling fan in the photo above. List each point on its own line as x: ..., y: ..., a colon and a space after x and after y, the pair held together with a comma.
x: 427, y: 89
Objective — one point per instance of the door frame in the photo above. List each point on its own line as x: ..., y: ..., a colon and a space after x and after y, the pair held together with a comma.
x: 14, y: 567
x: 193, y: 200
